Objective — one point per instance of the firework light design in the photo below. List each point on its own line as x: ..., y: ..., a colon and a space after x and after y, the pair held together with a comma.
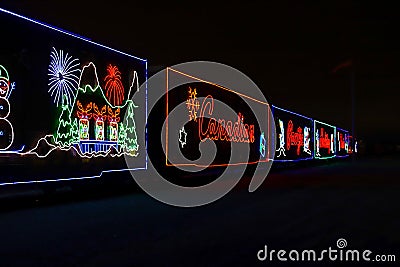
x: 114, y: 87
x: 64, y: 76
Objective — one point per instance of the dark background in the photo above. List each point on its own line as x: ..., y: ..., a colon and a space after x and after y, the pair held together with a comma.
x: 289, y: 49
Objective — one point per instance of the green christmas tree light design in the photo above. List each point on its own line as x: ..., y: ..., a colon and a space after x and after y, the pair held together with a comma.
x: 131, y: 145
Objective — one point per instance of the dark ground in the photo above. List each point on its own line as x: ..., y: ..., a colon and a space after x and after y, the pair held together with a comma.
x: 295, y: 209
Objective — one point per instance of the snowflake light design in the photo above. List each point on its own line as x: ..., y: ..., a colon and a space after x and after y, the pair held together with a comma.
x: 63, y: 81
x: 114, y: 88
x: 192, y: 104
x: 182, y: 136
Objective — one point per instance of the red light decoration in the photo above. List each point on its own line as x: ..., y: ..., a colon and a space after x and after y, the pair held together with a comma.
x: 115, y: 92
x: 324, y: 140
x: 235, y: 131
x: 294, y: 138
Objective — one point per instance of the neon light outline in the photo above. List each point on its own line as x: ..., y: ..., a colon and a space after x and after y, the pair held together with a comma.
x: 6, y: 79
x: 192, y: 104
x: 62, y: 80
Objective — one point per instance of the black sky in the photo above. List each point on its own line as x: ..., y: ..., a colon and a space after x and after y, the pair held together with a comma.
x: 289, y: 50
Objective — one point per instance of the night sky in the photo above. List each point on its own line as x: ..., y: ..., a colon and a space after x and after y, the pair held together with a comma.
x: 288, y: 50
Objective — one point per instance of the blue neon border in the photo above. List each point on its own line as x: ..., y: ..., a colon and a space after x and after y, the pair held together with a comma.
x: 312, y: 130
x: 103, y: 46
x: 332, y: 126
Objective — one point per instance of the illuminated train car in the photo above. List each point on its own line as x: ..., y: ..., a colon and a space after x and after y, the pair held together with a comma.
x: 68, y: 105
x: 295, y: 140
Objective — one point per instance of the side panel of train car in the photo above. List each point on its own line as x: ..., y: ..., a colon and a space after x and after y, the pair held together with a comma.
x: 201, y: 114
x: 67, y: 104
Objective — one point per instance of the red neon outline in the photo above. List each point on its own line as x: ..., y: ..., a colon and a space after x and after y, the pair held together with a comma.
x: 267, y: 159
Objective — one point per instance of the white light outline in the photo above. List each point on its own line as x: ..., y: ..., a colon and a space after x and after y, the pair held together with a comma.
x: 71, y: 34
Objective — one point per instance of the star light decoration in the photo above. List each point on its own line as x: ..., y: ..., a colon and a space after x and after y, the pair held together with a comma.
x: 182, y: 136
x: 192, y: 104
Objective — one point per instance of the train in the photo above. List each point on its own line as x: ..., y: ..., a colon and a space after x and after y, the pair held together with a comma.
x: 74, y: 109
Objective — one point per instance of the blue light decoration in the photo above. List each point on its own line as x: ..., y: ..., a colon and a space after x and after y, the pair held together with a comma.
x: 295, y: 136
x: 51, y: 85
x: 325, y: 140
x: 342, y: 143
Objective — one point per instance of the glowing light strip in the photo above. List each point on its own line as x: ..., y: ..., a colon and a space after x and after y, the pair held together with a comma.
x: 315, y: 141
x: 291, y: 112
x: 70, y: 34
x: 71, y: 179
x: 267, y: 159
